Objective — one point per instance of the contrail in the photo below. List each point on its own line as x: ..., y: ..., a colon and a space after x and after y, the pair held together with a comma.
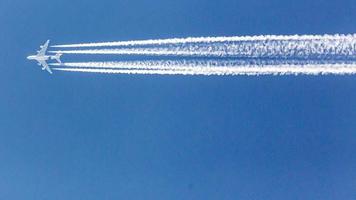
x: 214, y: 39
x: 148, y: 51
x: 247, y: 55
x: 122, y: 71
x: 193, y: 64
x: 341, y: 48
x: 149, y: 65
x: 212, y: 68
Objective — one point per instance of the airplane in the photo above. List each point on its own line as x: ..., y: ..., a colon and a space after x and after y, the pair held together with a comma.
x: 42, y: 58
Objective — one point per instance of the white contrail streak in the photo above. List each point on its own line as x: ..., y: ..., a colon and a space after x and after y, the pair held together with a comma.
x: 194, y: 64
x: 122, y: 71
x: 274, y: 55
x: 288, y: 49
x: 214, y: 39
x: 226, y: 68
x: 149, y: 65
x: 149, y: 51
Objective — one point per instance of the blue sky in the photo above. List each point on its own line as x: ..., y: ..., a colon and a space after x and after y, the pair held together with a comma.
x: 90, y: 136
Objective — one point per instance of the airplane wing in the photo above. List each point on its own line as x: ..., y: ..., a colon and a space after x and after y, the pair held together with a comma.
x: 45, y: 66
x: 43, y: 49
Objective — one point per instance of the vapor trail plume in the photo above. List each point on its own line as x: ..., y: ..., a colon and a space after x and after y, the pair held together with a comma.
x: 148, y: 51
x: 211, y: 68
x: 281, y: 49
x: 149, y: 65
x: 122, y: 71
x: 214, y: 39
x: 193, y: 64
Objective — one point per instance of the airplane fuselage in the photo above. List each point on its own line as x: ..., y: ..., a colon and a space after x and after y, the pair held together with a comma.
x: 38, y: 58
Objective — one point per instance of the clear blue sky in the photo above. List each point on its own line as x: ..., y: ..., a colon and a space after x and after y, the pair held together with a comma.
x: 74, y: 136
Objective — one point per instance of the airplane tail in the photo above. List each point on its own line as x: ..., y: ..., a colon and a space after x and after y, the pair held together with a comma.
x: 57, y: 57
